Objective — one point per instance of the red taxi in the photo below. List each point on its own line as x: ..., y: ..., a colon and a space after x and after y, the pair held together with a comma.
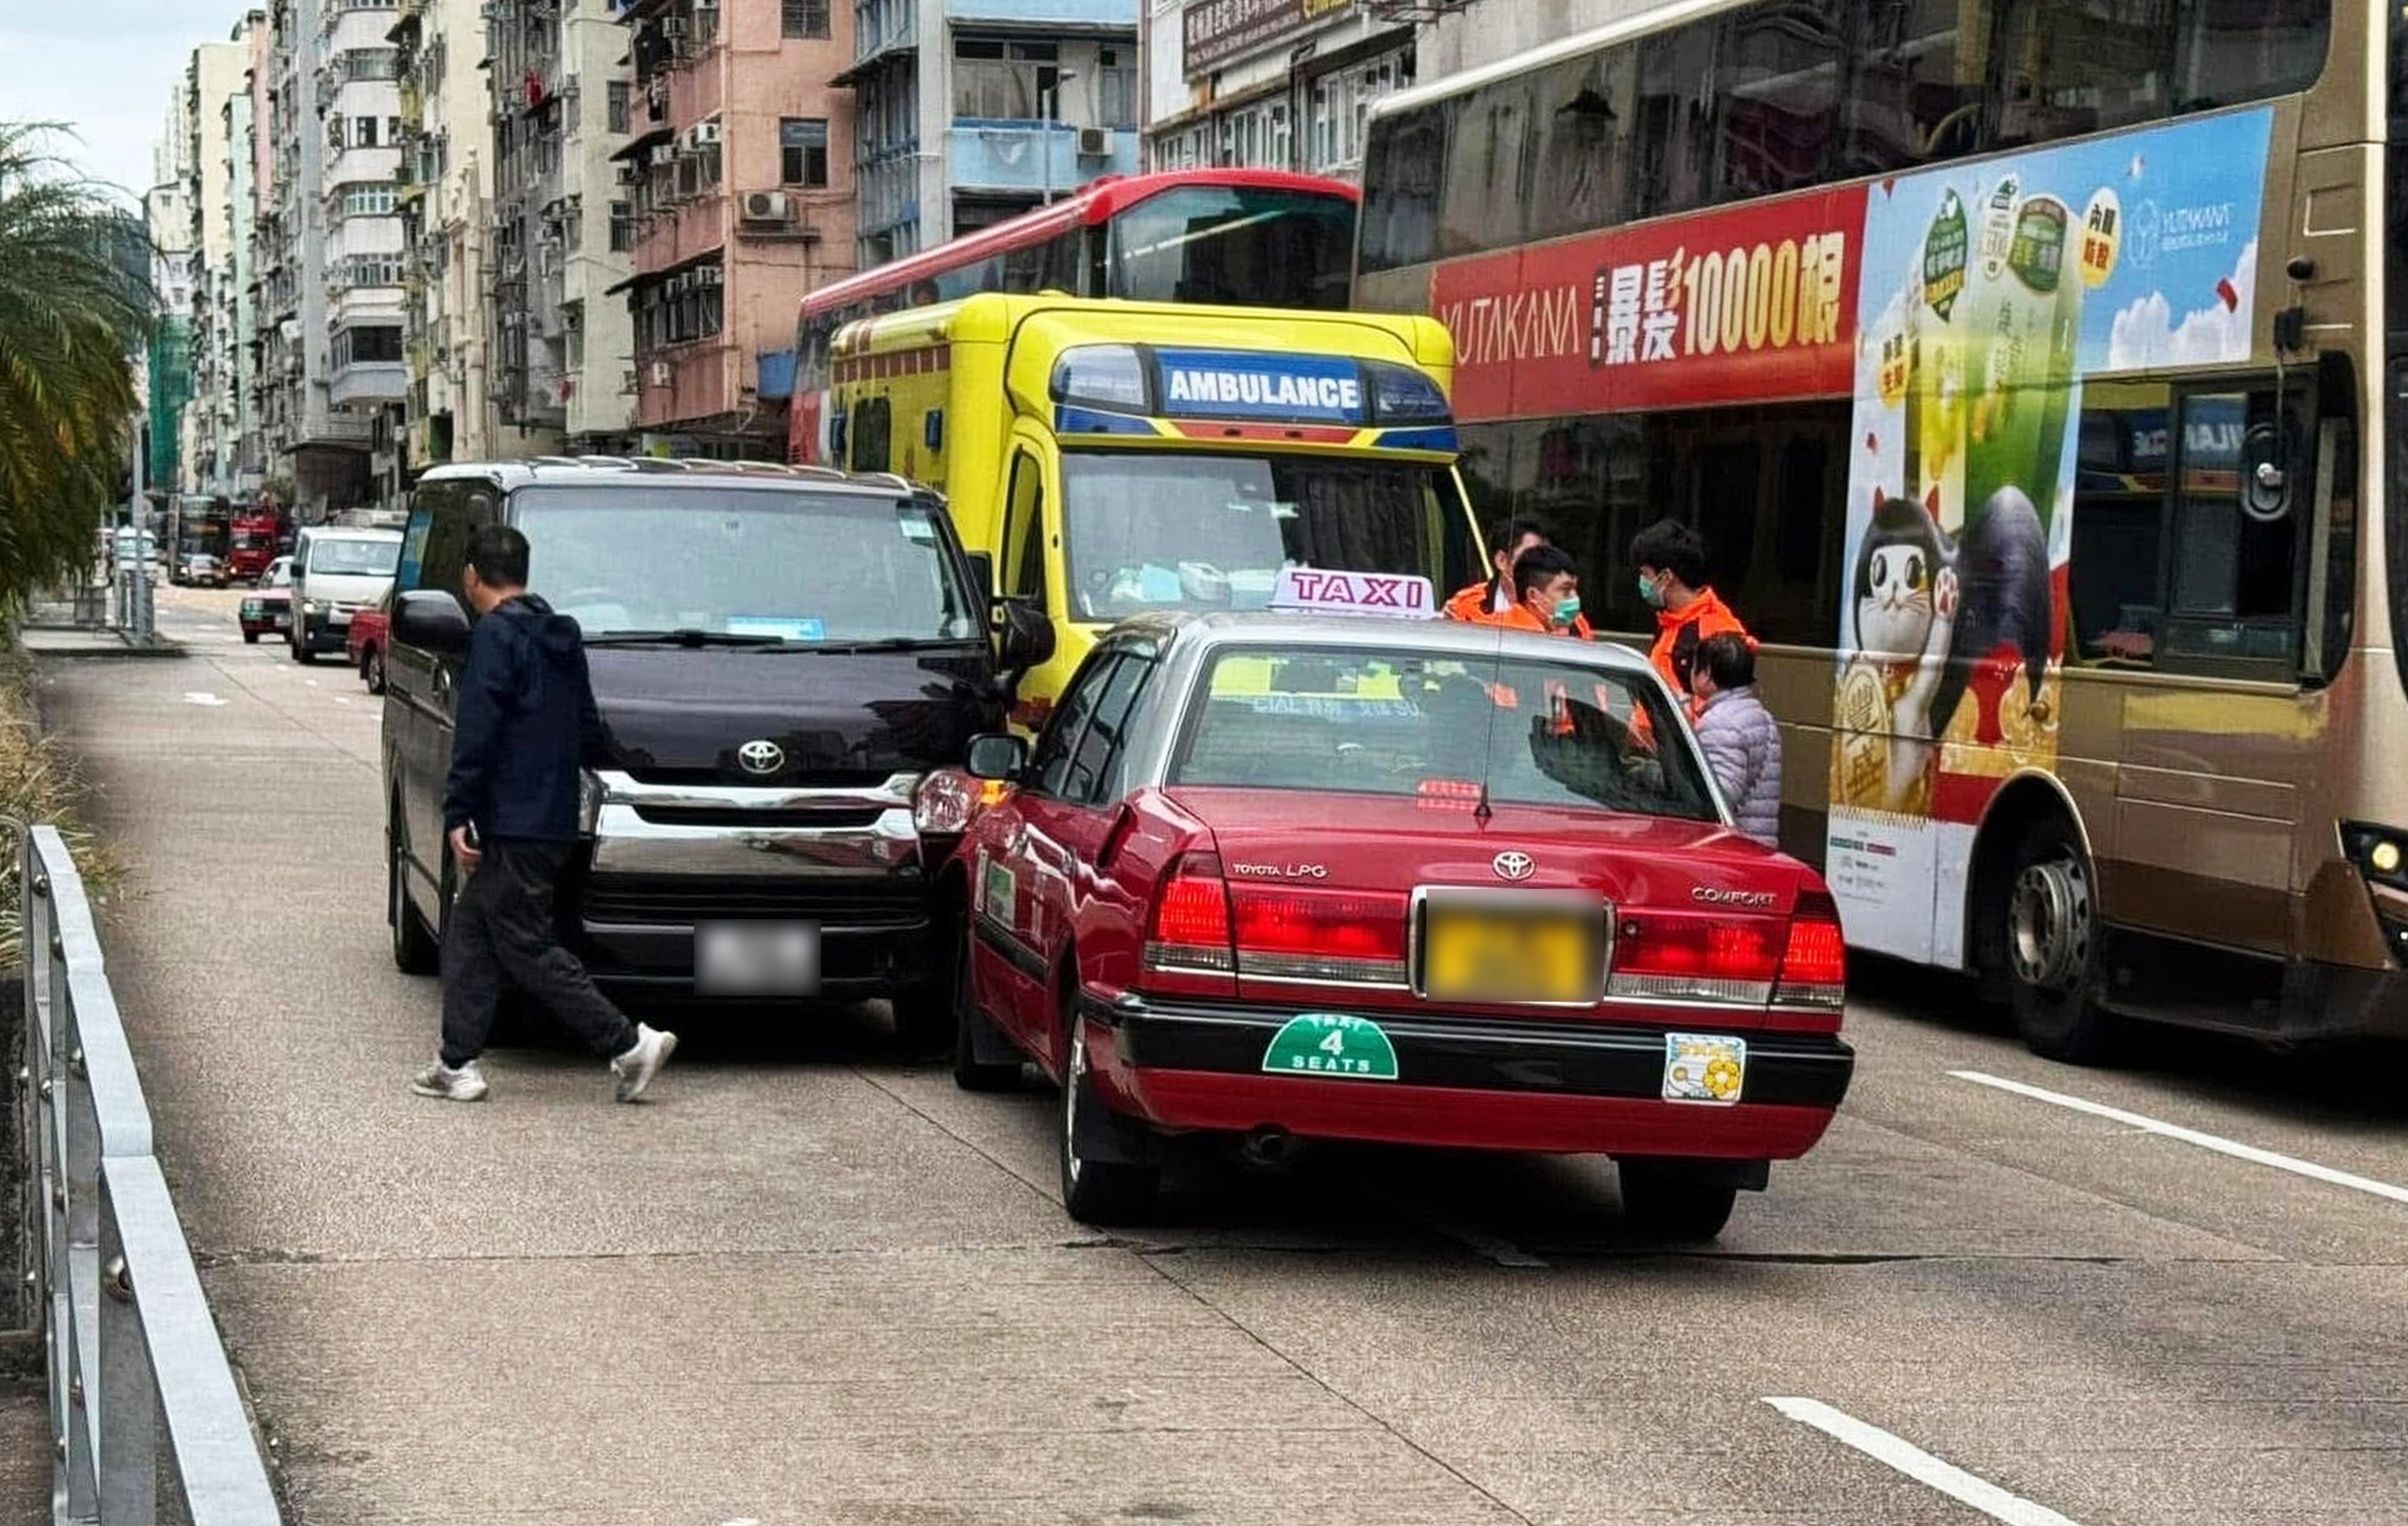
x: 1292, y: 876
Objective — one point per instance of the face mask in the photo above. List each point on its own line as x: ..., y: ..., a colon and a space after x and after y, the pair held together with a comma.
x: 1568, y: 610
x: 1651, y: 592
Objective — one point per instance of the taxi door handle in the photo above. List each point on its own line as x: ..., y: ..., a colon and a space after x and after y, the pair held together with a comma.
x: 443, y: 681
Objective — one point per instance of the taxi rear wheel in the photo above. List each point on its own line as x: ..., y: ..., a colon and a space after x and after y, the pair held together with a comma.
x: 1663, y: 1201
x: 1094, y: 1191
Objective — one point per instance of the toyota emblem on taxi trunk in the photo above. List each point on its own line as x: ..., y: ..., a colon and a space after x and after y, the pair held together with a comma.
x: 761, y: 757
x: 1511, y: 865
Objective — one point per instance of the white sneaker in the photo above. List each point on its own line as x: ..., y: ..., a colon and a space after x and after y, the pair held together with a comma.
x: 638, y: 1067
x: 467, y: 1084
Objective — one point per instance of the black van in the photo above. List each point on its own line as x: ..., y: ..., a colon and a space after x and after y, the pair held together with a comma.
x: 781, y: 656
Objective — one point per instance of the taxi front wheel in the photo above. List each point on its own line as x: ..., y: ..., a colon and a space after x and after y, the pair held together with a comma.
x: 1662, y: 1200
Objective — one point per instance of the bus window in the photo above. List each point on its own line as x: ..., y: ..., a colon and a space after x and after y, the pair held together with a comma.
x: 1404, y: 162
x: 2070, y: 66
x: 2235, y: 588
x: 1679, y: 128
x: 1488, y: 161
x: 1910, y: 102
x: 1578, y: 177
x: 1242, y: 245
x: 2116, y: 577
x: 1780, y: 78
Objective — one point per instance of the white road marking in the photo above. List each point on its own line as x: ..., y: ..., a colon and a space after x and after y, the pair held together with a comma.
x: 1920, y: 1465
x: 2192, y: 1136
x: 341, y: 699
x: 202, y: 696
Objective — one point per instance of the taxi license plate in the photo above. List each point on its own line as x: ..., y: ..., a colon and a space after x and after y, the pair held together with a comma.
x: 1490, y: 949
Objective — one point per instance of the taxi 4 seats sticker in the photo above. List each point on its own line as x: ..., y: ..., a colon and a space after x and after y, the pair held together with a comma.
x: 1331, y: 1044
x: 1704, y: 1067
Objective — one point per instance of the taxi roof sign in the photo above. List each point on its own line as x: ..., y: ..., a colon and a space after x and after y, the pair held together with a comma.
x: 1383, y: 594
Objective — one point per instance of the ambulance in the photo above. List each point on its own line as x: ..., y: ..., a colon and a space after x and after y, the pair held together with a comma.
x: 1104, y: 459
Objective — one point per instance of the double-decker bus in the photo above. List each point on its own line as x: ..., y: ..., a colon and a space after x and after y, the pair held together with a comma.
x: 2025, y: 366
x: 1232, y: 237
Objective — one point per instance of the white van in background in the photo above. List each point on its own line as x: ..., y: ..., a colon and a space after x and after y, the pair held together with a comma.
x: 336, y: 573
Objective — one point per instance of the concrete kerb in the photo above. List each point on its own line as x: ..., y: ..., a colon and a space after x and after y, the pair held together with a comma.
x: 71, y: 641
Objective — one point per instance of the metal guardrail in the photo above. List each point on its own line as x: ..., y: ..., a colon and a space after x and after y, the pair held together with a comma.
x: 142, y: 1403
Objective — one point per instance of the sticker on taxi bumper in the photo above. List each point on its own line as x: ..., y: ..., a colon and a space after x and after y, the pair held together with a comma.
x: 1331, y: 1044
x: 1704, y: 1067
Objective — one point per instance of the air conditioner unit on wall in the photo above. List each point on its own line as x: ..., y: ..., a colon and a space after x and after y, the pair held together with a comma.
x: 1094, y: 143
x: 767, y: 206
x: 705, y: 134
x: 660, y: 373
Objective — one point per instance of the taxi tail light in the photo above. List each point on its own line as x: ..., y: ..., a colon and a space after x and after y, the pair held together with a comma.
x: 1348, y: 936
x: 1189, y: 930
x: 1730, y: 961
x: 1814, y: 966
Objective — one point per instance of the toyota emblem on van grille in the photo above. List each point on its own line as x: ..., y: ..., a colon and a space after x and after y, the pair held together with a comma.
x: 1511, y: 865
x: 761, y: 756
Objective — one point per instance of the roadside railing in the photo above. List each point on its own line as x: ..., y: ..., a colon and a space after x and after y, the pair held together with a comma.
x: 147, y: 1422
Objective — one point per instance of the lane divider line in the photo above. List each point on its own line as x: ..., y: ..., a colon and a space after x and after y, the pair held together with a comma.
x: 2191, y: 1136
x: 1925, y: 1469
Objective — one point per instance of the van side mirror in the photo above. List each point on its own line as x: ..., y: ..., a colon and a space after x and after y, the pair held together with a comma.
x: 1027, y: 636
x: 998, y: 755
x: 431, y: 619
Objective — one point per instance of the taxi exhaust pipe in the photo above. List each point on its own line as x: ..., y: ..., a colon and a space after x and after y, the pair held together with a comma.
x: 1269, y: 1147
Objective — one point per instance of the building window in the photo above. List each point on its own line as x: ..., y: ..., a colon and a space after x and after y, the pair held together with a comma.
x: 622, y: 227
x: 1115, y: 90
x: 365, y: 200
x: 378, y: 345
x: 1341, y: 105
x: 803, y: 18
x: 364, y: 132
x: 803, y: 151
x: 1007, y: 81
x: 618, y: 98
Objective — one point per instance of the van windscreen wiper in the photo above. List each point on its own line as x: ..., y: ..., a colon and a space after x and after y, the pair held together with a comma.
x: 690, y: 635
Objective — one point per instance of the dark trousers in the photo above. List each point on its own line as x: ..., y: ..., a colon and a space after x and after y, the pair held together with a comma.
x: 501, y: 930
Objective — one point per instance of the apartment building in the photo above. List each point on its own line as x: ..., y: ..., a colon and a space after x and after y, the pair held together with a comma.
x: 213, y: 76
x: 167, y: 225
x: 970, y: 111
x: 1275, y: 84
x: 446, y: 213
x: 737, y: 196
x: 324, y: 448
x: 252, y: 136
x: 357, y: 92
x: 561, y: 342
x: 244, y: 464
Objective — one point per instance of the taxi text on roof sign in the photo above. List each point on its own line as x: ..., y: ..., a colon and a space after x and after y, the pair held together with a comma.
x: 1391, y: 595
x: 1226, y: 384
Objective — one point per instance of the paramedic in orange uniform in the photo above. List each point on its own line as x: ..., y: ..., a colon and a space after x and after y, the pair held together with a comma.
x: 1671, y: 561
x: 1507, y: 540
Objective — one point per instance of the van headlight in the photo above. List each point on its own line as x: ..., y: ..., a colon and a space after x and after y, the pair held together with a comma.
x: 945, y: 804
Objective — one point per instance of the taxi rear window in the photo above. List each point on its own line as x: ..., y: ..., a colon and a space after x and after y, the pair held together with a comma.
x: 1388, y: 722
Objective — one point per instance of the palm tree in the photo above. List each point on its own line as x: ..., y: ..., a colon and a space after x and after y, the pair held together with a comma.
x: 74, y: 309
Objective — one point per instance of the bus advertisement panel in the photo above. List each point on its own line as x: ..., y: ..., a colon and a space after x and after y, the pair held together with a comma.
x: 1987, y: 291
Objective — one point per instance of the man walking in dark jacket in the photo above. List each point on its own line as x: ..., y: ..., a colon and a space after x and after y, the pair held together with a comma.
x: 525, y: 727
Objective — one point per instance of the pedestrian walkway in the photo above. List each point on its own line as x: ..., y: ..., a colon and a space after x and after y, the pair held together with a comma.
x: 24, y: 1450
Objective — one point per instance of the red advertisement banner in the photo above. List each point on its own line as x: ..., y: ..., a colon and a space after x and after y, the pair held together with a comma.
x: 1741, y: 306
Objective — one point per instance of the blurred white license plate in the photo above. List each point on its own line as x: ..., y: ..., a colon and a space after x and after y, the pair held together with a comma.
x: 282, y: 620
x: 757, y: 958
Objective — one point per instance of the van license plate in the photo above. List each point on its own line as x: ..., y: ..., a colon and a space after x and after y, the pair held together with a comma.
x: 757, y: 958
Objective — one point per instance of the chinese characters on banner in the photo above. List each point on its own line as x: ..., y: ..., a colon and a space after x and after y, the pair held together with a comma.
x: 1718, y: 308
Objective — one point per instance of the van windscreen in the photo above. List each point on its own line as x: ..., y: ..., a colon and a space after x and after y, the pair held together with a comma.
x: 354, y: 558
x: 769, y: 566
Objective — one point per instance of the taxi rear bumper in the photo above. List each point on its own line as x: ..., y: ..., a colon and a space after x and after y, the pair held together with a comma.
x: 1552, y: 1087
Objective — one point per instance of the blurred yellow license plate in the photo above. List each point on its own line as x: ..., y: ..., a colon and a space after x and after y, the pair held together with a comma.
x: 1492, y: 953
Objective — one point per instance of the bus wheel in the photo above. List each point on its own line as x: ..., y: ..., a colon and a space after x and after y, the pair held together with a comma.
x: 2053, y: 946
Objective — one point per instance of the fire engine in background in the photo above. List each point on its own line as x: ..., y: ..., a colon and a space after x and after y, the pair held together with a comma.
x: 255, y: 536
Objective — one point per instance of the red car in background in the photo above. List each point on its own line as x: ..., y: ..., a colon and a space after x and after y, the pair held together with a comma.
x: 268, y: 609
x: 1417, y: 882
x: 367, y: 640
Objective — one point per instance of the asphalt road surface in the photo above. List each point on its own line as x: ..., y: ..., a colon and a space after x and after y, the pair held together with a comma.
x: 811, y: 1282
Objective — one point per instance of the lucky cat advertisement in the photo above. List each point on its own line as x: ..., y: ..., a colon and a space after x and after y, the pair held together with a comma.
x: 1988, y: 293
